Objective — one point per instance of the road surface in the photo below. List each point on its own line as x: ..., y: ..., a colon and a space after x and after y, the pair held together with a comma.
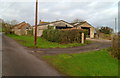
x: 17, y: 61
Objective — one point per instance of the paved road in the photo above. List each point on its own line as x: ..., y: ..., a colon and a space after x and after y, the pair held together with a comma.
x: 18, y: 62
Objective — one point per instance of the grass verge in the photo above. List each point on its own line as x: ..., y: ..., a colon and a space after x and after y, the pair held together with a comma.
x: 42, y: 43
x: 93, y: 63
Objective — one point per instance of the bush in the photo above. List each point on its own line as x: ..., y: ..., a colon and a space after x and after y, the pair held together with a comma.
x: 30, y: 32
x: 115, y: 50
x: 62, y: 36
x: 105, y: 36
x: 50, y: 27
x: 106, y: 30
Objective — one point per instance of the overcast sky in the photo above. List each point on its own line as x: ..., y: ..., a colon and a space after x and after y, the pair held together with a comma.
x: 96, y: 13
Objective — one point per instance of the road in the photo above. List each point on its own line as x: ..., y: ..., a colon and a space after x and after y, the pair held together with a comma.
x: 17, y: 61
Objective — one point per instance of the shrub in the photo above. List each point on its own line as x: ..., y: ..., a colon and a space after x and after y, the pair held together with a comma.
x: 106, y: 30
x: 115, y: 50
x: 105, y: 36
x: 63, y: 36
x: 30, y: 32
x: 50, y: 27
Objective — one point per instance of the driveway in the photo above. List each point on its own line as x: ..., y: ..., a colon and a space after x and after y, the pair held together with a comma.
x: 97, y: 45
x: 17, y: 61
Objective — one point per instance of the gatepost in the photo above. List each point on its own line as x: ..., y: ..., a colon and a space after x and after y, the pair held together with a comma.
x: 82, y: 41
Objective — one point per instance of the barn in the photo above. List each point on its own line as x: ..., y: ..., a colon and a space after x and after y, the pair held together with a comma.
x: 61, y: 24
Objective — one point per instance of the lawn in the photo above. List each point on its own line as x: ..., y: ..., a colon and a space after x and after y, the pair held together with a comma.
x: 94, y: 63
x: 28, y: 41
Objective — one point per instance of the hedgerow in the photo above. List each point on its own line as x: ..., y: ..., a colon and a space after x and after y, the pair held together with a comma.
x: 115, y: 50
x: 63, y: 36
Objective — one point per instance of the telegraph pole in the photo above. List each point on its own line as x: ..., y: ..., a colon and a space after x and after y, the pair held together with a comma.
x: 115, y: 25
x: 36, y: 19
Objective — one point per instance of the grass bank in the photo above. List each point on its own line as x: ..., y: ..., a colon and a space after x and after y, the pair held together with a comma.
x: 94, y: 63
x: 0, y: 29
x: 42, y: 43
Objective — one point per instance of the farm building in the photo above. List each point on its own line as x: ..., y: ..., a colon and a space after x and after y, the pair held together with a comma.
x: 54, y: 25
x: 61, y: 24
x: 85, y: 25
x: 21, y: 28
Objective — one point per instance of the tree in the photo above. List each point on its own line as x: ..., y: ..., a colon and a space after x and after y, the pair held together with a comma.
x: 6, y: 27
x: 13, y: 22
x: 77, y: 21
x: 106, y: 30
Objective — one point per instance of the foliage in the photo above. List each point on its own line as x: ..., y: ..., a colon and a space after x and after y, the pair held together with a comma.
x: 13, y: 22
x: 50, y: 27
x: 0, y: 29
x: 103, y: 33
x: 105, y: 36
x: 115, y: 50
x: 28, y: 41
x: 92, y: 63
x: 119, y: 33
x: 30, y: 32
x: 77, y: 21
x: 106, y: 30
x: 5, y: 27
x: 63, y: 36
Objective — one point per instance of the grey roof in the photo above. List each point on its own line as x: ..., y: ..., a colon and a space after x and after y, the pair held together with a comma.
x: 53, y: 22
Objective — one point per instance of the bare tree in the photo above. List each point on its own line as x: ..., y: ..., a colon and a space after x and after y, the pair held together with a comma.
x: 77, y: 20
x: 13, y: 22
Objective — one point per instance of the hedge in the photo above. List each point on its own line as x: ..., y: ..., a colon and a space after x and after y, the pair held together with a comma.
x: 115, y: 50
x: 63, y: 36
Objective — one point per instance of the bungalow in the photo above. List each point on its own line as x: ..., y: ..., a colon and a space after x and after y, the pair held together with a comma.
x: 61, y: 24
x: 21, y: 28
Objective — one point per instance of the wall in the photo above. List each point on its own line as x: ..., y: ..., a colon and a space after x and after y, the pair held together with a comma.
x: 40, y: 30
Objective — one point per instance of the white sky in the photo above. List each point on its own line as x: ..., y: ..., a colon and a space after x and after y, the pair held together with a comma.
x: 97, y: 13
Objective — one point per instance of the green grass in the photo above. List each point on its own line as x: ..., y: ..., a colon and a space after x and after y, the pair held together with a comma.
x: 94, y: 63
x: 1, y: 29
x: 28, y: 41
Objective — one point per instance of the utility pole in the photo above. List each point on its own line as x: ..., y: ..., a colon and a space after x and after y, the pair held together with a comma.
x: 115, y: 26
x: 36, y: 20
